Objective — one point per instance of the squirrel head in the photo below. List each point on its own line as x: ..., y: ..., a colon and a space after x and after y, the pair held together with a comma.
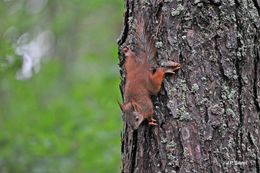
x: 132, y: 114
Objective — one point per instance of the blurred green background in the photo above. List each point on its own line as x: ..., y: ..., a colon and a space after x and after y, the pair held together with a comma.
x: 61, y: 115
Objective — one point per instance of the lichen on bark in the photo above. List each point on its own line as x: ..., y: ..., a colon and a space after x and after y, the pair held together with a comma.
x: 209, y: 113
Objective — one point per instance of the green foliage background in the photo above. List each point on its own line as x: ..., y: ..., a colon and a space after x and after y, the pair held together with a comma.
x: 65, y: 119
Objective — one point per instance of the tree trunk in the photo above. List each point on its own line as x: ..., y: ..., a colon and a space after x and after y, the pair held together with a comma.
x: 209, y: 114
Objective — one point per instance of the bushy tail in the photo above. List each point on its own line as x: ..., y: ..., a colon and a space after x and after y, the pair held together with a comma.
x: 145, y: 44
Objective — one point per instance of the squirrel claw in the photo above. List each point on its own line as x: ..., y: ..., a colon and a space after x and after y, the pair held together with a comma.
x: 126, y: 49
x: 171, y: 64
x: 169, y: 71
x: 152, y: 123
x: 153, y: 120
x: 177, y: 67
x: 171, y: 67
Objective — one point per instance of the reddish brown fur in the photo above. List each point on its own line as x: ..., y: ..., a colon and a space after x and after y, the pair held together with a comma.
x: 138, y: 87
x: 141, y: 83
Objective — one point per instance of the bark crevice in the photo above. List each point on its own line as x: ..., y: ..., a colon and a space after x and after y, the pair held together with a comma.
x: 257, y: 6
x: 219, y: 58
x: 257, y: 163
x: 181, y: 147
x: 239, y: 133
x: 133, y: 151
x: 123, y: 36
x: 256, y: 71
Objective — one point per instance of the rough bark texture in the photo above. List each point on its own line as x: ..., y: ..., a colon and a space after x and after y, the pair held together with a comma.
x: 209, y: 114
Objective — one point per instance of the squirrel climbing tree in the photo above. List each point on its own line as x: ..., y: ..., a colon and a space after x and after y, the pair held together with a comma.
x: 208, y: 114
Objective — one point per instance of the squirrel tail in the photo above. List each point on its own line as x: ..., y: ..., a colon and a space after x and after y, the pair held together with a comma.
x: 145, y: 44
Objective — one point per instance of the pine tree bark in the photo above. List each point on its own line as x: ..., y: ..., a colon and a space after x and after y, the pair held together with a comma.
x: 209, y: 114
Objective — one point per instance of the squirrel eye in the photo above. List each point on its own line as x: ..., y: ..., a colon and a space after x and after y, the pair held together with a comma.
x: 136, y: 118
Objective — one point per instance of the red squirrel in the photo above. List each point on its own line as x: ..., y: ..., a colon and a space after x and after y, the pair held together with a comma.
x: 141, y: 81
x: 141, y: 84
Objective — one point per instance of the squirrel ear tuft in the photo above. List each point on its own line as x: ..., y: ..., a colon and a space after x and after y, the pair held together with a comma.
x: 126, y: 107
x: 123, y: 107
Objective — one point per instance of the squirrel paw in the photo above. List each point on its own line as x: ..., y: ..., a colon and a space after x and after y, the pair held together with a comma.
x: 128, y: 52
x: 171, y: 66
x: 152, y: 122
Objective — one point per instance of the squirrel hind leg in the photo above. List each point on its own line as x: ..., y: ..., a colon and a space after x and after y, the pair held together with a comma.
x: 156, y: 79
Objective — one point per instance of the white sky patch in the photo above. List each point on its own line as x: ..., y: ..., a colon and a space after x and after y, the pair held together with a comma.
x: 33, y: 52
